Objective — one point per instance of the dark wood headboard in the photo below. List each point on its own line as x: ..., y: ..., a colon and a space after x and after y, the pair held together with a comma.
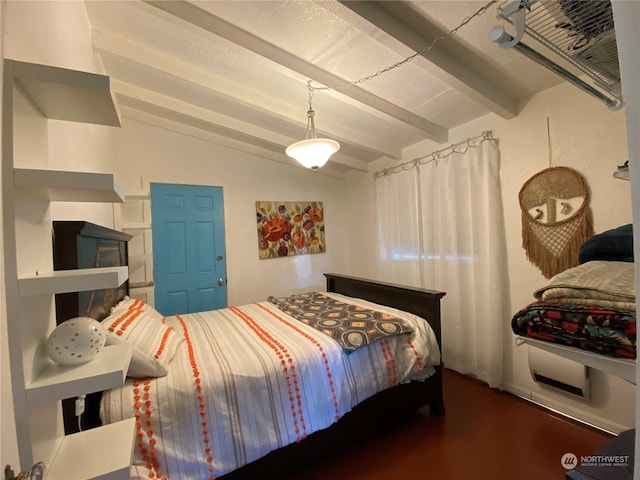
x: 419, y: 301
x: 80, y: 244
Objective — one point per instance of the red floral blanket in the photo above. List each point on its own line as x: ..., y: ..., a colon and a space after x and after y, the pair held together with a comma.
x: 600, y: 330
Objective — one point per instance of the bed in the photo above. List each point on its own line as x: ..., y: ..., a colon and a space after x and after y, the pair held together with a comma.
x: 588, y: 313
x: 306, y: 428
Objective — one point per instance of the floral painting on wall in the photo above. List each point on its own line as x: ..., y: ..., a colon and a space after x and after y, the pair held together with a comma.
x: 290, y: 228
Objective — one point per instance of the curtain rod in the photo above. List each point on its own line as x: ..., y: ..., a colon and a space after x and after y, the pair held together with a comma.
x: 470, y: 142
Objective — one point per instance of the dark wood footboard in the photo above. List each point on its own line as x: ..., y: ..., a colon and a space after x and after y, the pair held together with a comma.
x: 419, y: 301
x: 365, y: 418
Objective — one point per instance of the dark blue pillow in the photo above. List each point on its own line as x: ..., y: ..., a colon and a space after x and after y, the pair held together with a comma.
x: 613, y: 245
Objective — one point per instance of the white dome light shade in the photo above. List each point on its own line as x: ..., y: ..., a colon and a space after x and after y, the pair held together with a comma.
x: 313, y: 153
x: 76, y: 341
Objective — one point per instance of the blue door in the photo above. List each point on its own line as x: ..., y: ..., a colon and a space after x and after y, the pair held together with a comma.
x: 189, y: 258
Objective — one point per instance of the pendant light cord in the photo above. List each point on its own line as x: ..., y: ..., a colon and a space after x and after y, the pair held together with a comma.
x: 549, y: 143
x: 432, y: 44
x: 311, y: 92
x: 311, y: 125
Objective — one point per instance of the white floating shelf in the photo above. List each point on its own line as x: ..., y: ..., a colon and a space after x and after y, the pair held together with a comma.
x: 140, y: 258
x: 64, y: 94
x: 621, y: 367
x: 136, y: 226
x: 135, y: 265
x: 136, y: 262
x: 137, y: 196
x: 65, y: 281
x: 55, y: 382
x: 62, y: 186
x: 622, y: 173
x: 102, y: 453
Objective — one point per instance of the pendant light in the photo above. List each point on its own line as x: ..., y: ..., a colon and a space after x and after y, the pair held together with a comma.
x: 313, y: 152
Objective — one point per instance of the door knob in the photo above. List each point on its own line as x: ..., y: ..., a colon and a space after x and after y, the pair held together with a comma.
x: 221, y: 281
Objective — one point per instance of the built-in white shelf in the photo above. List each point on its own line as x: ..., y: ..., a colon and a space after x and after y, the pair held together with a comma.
x: 621, y: 367
x: 622, y: 173
x: 102, y: 453
x: 64, y: 94
x: 137, y: 226
x: 140, y: 258
x: 135, y: 265
x: 63, y: 186
x: 136, y: 262
x: 142, y: 285
x: 65, y: 281
x: 137, y: 196
x: 107, y: 370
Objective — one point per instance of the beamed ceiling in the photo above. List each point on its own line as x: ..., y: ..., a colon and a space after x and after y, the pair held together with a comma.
x: 236, y: 72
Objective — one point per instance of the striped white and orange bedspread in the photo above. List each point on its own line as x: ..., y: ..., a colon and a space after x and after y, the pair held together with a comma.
x: 251, y: 379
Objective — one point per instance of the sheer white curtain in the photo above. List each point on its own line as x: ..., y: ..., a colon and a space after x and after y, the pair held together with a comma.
x: 441, y: 226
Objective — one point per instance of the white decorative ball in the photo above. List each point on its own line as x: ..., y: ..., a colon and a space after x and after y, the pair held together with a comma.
x: 76, y: 341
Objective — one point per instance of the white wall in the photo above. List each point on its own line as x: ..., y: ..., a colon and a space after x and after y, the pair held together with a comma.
x: 586, y: 136
x: 162, y: 156
x: 54, y: 33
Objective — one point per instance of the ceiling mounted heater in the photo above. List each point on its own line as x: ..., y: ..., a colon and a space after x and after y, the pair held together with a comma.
x: 573, y: 38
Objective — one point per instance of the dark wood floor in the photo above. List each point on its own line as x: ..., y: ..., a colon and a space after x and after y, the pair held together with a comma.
x: 485, y: 435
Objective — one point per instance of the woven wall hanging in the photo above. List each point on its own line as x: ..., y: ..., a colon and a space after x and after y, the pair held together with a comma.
x: 556, y: 219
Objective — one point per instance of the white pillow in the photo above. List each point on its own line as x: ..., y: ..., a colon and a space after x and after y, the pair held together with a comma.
x: 154, y: 343
x: 125, y: 303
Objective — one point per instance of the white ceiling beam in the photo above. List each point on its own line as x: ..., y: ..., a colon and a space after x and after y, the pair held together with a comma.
x: 405, y: 24
x: 226, y: 131
x: 111, y: 46
x: 143, y: 116
x: 127, y: 92
x: 196, y: 16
